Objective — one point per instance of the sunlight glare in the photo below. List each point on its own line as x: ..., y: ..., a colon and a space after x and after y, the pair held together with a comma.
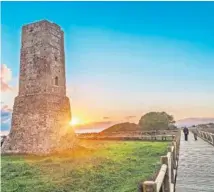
x: 75, y: 121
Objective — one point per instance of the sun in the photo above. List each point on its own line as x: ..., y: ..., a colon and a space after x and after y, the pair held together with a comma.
x: 75, y: 121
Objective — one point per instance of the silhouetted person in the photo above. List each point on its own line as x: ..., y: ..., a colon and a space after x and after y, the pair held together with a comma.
x: 195, y: 135
x: 186, y: 133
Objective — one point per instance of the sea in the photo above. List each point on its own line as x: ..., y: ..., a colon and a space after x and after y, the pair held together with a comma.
x: 89, y: 130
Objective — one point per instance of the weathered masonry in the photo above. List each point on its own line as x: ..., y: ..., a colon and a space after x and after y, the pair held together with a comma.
x: 41, y: 111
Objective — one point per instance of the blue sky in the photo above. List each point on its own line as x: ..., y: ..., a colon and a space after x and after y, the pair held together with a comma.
x: 125, y: 58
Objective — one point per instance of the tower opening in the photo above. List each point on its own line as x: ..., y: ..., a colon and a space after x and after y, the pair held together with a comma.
x: 56, y: 81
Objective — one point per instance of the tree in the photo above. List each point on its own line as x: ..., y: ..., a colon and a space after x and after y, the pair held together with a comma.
x: 156, y: 121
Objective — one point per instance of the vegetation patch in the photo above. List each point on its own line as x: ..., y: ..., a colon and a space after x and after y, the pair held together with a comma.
x: 97, y: 166
x: 149, y: 122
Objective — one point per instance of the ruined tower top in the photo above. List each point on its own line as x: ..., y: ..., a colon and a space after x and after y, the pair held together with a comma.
x: 42, y: 66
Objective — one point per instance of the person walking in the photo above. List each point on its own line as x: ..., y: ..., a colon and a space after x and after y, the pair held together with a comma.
x: 195, y: 135
x: 186, y: 133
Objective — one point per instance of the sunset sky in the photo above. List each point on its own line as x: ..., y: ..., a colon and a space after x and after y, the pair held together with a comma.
x: 123, y: 59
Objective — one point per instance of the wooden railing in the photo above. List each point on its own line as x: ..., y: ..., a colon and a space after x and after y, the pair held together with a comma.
x: 206, y: 136
x: 135, y: 138
x: 166, y: 178
x: 154, y: 132
x: 137, y: 135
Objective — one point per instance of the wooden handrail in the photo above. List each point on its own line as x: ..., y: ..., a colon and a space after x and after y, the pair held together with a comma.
x: 166, y: 178
x: 129, y: 137
x: 160, y: 178
x: 153, y: 132
x: 207, y: 136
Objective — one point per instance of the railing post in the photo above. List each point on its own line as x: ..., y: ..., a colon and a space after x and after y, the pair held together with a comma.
x: 178, y: 145
x: 149, y: 186
x: 164, y: 160
x: 212, y: 139
x: 174, y: 155
x: 170, y: 166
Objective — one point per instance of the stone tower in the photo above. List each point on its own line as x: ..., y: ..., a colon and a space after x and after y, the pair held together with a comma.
x: 41, y: 111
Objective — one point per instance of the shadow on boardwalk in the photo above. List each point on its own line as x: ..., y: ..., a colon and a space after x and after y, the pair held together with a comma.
x: 196, y: 166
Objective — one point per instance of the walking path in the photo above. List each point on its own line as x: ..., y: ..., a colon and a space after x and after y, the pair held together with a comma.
x: 195, y: 166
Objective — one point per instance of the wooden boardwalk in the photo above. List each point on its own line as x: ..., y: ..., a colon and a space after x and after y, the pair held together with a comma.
x: 195, y: 166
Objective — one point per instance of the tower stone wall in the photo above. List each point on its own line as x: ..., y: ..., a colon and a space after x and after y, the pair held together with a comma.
x: 41, y: 111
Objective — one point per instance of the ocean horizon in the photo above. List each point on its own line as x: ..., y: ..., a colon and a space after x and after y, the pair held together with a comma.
x: 90, y: 130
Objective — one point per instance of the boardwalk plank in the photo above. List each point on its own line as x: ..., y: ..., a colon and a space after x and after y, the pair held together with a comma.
x: 196, y: 166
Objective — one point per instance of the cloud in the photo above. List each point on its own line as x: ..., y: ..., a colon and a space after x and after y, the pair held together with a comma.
x: 8, y: 92
x: 4, y: 133
x: 96, y: 125
x: 6, y: 77
x: 9, y: 86
x: 6, y: 114
x: 106, y: 117
x: 6, y: 108
x: 130, y: 117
